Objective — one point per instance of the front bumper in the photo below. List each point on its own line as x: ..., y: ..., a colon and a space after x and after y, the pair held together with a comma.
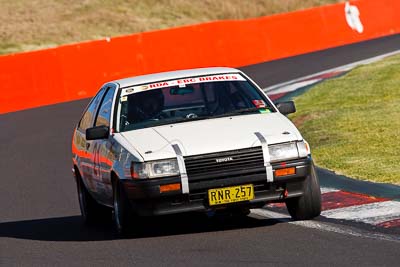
x: 146, y: 199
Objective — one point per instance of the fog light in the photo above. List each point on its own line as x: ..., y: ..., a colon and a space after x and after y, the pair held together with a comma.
x: 285, y: 171
x: 169, y: 187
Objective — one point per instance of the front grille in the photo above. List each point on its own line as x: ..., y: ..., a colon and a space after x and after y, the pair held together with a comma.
x: 222, y: 164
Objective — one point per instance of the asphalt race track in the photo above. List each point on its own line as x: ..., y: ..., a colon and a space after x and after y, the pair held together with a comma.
x: 277, y: 71
x: 40, y: 219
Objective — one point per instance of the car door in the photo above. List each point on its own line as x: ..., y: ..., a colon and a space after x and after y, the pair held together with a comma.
x: 102, y: 154
x: 82, y: 145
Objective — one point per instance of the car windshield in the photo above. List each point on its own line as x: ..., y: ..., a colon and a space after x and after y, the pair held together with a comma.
x: 189, y: 99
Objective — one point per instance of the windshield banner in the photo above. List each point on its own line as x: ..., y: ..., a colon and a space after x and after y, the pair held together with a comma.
x: 183, y: 82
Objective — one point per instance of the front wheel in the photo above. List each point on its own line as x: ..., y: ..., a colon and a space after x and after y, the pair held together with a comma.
x: 122, y: 210
x: 308, y: 206
x: 92, y: 212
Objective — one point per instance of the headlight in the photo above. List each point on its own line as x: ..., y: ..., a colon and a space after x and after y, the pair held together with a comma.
x: 281, y: 152
x: 154, y: 169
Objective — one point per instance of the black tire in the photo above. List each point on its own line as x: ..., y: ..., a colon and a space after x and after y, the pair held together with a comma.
x: 92, y: 212
x: 123, y: 216
x: 307, y: 206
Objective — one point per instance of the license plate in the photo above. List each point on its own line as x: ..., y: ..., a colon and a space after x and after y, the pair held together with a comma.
x: 231, y: 194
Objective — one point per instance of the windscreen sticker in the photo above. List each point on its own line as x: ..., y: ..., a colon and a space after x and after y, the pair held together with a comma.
x: 264, y: 110
x: 184, y: 82
x: 259, y: 103
x: 129, y: 90
x: 124, y: 98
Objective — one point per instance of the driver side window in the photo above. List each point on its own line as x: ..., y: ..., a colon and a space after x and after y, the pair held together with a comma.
x: 87, y: 118
x: 104, y: 114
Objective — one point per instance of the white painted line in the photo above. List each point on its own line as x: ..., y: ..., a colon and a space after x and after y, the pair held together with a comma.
x: 328, y: 190
x: 345, y: 230
x: 372, y: 213
x: 270, y: 214
x: 293, y: 87
x: 322, y: 226
x: 340, y: 68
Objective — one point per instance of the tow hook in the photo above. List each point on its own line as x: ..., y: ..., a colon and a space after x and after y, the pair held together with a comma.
x: 284, y: 194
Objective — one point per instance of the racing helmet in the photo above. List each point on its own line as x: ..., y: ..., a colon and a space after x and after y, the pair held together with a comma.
x: 150, y: 102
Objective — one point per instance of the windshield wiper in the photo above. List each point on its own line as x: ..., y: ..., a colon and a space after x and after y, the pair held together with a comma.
x: 187, y: 119
x: 156, y: 123
x: 161, y: 122
x: 239, y: 111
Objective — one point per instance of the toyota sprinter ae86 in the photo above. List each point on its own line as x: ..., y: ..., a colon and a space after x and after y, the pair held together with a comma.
x: 193, y: 140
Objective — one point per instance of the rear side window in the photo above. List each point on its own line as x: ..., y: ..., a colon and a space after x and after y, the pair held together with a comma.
x: 87, y: 118
x: 104, y: 114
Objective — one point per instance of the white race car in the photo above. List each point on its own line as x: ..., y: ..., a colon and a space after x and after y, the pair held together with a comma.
x: 192, y: 140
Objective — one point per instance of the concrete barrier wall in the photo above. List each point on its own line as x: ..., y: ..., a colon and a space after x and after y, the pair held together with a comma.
x: 76, y: 71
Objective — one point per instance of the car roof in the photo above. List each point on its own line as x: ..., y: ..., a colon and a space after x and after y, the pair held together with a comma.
x: 163, y: 76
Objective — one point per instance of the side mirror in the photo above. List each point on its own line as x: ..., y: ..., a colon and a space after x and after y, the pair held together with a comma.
x: 286, y: 107
x: 98, y: 132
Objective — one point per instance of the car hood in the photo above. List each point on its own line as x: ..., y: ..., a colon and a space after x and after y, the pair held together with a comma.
x: 211, y: 135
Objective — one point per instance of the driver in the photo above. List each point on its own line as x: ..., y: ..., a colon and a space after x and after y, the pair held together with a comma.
x: 145, y: 105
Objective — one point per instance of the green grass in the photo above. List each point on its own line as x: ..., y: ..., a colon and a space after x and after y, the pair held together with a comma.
x: 36, y: 24
x: 353, y: 122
